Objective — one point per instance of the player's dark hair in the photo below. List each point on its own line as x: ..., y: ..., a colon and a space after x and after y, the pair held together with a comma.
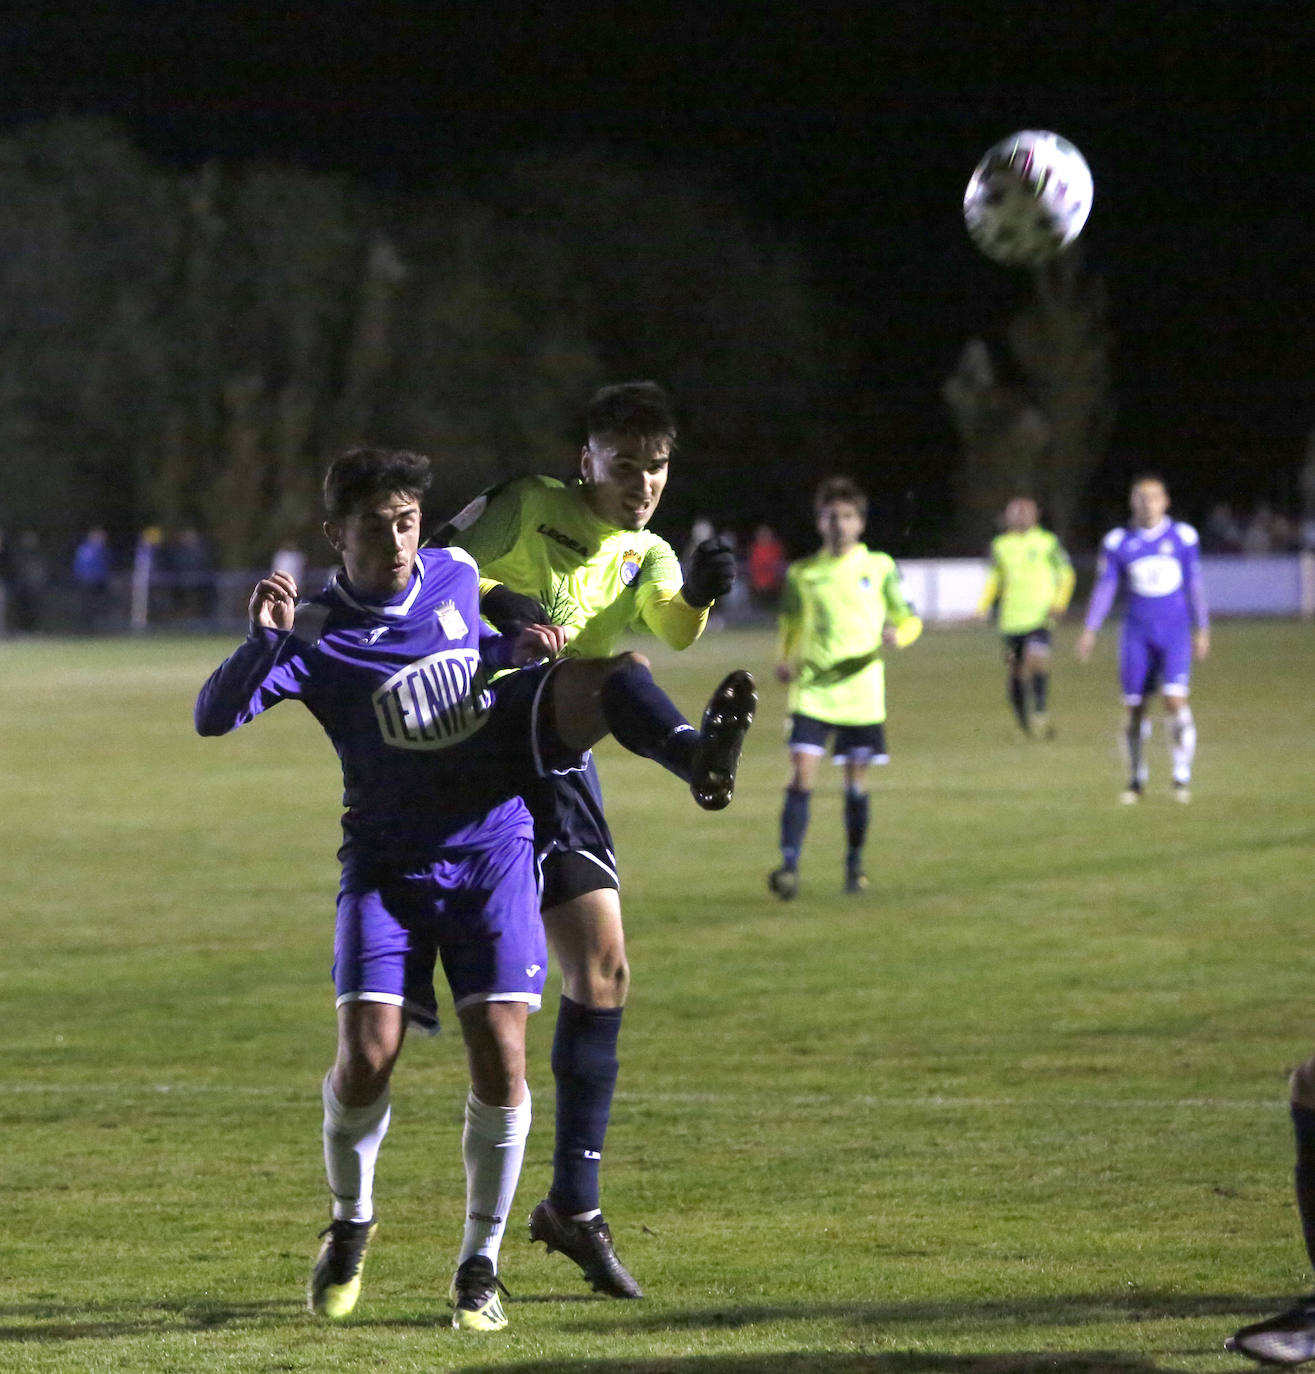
x: 1141, y: 477
x: 639, y: 410
x: 839, y: 489
x: 362, y: 477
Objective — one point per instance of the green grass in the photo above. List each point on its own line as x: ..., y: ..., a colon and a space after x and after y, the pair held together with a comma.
x: 1020, y: 1107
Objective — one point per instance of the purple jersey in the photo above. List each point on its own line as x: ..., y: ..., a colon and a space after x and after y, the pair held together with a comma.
x: 1160, y: 571
x: 401, y: 688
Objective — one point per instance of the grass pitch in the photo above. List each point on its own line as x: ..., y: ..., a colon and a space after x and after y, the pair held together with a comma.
x: 1019, y: 1107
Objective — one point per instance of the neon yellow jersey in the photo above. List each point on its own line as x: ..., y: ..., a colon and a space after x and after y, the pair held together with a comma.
x: 540, y: 538
x: 1033, y: 577
x: 833, y: 610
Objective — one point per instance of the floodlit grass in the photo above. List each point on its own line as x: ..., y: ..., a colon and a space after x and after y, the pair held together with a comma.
x: 1020, y: 1107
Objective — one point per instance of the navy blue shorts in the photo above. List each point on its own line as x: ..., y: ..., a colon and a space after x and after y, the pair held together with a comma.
x: 571, y: 834
x: 849, y: 743
x: 1016, y: 646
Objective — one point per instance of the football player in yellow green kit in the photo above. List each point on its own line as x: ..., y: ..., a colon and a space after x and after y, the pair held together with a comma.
x: 1031, y: 579
x: 582, y: 552
x: 839, y: 609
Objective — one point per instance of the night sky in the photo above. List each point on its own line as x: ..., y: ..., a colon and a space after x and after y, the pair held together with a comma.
x: 850, y: 129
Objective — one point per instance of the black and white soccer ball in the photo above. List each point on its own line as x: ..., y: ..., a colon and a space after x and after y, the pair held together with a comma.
x: 1028, y: 198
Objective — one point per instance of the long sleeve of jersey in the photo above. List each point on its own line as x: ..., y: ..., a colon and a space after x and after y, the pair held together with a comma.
x: 991, y: 591
x: 1065, y: 579
x: 790, y: 619
x: 675, y: 622
x: 256, y: 676
x: 1196, y: 593
x: 1103, y: 593
x: 899, y: 613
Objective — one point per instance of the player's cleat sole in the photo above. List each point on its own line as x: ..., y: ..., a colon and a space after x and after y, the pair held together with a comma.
x: 856, y: 881
x: 1130, y: 796
x: 335, y: 1280
x: 589, y: 1245
x: 784, y: 882
x: 726, y: 721
x: 1288, y: 1339
x: 474, y: 1296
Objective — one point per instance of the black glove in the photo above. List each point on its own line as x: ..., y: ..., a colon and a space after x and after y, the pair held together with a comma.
x: 509, y: 612
x: 711, y: 572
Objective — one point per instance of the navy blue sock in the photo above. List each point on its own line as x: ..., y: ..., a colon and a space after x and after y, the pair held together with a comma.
x: 856, y: 825
x: 1303, y: 1123
x: 1040, y: 689
x: 1018, y: 699
x: 584, y: 1065
x: 643, y: 718
x: 794, y: 824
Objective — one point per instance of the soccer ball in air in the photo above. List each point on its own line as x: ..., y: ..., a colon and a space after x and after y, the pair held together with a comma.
x: 1028, y: 198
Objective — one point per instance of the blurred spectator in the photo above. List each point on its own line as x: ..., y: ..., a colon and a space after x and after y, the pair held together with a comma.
x: 1222, y: 532
x: 27, y: 588
x: 1256, y: 538
x: 192, y: 573
x: 765, y: 566
x: 288, y: 558
x: 91, y: 573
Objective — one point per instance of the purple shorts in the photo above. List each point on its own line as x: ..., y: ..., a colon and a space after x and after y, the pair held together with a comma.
x: 477, y: 910
x: 1153, y: 660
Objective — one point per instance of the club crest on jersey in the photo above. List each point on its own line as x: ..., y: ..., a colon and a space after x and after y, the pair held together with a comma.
x: 435, y: 702
x: 630, y: 565
x: 451, y: 620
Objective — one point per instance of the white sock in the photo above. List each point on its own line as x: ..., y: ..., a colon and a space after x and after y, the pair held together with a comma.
x: 352, y: 1137
x: 493, y: 1146
x: 1182, y: 743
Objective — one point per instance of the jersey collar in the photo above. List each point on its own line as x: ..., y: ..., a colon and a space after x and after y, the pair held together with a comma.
x: 1158, y: 532
x: 394, y: 609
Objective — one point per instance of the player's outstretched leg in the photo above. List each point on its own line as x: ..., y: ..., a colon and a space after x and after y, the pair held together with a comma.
x: 1287, y: 1339
x: 335, y: 1281
x: 589, y: 1244
x: 726, y: 721
x: 594, y: 697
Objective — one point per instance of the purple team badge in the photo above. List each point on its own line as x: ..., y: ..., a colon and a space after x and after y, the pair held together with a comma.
x: 630, y: 564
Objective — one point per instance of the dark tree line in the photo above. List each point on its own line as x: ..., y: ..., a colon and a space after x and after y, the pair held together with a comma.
x: 190, y: 347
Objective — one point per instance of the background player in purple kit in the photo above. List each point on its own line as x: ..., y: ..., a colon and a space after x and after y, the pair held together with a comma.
x: 437, y: 855
x: 1157, y: 563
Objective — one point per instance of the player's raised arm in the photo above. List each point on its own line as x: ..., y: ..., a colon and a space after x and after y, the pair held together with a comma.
x: 261, y: 671
x: 273, y: 602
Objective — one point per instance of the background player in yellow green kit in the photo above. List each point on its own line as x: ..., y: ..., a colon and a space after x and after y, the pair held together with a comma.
x: 582, y: 551
x: 839, y: 608
x: 1031, y: 579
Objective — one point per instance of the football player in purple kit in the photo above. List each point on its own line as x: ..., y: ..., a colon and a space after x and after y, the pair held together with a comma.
x: 1156, y: 561
x: 437, y: 857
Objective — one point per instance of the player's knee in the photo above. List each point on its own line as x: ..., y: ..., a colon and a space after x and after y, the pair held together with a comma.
x: 1302, y: 1084
x: 360, y: 1080
x: 607, y: 979
x: 600, y: 979
x: 362, y: 1071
